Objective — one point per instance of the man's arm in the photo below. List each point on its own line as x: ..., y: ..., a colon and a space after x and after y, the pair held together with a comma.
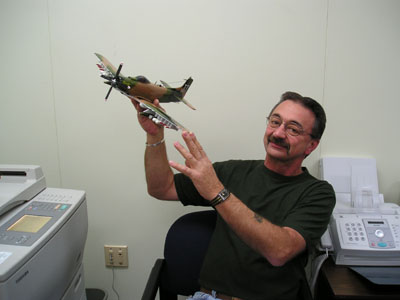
x: 159, y: 176
x: 277, y: 244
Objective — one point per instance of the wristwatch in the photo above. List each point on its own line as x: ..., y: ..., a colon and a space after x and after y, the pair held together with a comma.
x: 221, y: 197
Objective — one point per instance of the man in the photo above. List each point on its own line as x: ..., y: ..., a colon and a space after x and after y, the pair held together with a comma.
x: 269, y: 211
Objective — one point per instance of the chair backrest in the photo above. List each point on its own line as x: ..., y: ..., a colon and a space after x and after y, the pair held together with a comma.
x: 185, y: 246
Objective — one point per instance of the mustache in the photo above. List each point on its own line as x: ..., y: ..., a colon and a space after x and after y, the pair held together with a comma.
x: 279, y: 142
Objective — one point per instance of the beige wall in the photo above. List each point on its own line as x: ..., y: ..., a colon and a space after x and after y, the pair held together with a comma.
x: 242, y: 56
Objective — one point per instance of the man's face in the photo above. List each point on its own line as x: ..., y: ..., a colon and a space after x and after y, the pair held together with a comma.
x: 278, y: 142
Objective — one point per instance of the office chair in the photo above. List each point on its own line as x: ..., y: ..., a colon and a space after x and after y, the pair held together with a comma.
x: 185, y: 246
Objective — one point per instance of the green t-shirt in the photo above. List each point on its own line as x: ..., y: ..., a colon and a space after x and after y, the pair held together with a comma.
x: 301, y: 202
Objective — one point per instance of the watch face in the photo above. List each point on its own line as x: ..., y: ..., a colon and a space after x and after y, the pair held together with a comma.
x: 224, y: 194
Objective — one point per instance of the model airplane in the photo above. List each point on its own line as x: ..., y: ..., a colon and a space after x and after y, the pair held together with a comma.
x: 140, y: 86
x: 141, y: 90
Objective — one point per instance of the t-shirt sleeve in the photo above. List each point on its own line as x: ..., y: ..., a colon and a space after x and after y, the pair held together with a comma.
x: 187, y: 192
x: 311, y: 216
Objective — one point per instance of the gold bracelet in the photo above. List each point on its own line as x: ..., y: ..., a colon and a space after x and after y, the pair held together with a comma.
x: 156, y: 144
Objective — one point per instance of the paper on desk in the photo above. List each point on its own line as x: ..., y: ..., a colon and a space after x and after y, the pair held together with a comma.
x: 380, y: 275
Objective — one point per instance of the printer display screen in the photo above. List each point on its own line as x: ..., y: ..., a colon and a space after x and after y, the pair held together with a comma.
x: 29, y: 223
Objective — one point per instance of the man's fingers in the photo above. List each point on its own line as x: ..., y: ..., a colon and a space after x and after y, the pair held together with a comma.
x: 197, y: 143
x: 193, y: 145
x: 185, y: 153
x: 180, y: 168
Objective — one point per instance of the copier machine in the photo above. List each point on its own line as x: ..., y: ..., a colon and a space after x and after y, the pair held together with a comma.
x: 42, y: 237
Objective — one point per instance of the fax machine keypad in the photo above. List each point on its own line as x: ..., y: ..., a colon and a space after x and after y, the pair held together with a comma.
x: 354, y: 232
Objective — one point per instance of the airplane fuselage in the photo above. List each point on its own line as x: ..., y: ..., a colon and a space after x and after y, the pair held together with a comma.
x: 148, y: 91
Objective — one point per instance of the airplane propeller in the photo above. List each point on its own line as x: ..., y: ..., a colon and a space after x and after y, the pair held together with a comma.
x: 114, y: 81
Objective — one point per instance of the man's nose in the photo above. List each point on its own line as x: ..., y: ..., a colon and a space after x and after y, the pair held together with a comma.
x: 280, y: 131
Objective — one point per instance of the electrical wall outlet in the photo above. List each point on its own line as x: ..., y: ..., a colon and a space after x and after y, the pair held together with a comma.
x: 116, y: 256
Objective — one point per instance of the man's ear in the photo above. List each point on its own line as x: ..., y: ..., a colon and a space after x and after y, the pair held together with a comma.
x: 311, y: 146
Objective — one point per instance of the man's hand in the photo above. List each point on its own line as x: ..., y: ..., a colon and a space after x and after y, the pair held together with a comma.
x: 197, y: 167
x: 148, y: 125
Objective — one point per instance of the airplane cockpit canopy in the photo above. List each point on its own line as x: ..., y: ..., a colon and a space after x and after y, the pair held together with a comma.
x: 142, y: 79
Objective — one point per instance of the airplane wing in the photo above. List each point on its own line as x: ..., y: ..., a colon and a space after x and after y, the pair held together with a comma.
x: 157, y: 115
x: 106, y: 63
x: 186, y: 102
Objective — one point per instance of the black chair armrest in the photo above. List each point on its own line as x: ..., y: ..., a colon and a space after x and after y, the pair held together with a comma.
x: 153, y: 282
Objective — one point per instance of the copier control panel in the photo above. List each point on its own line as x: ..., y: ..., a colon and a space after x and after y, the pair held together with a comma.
x: 29, y: 224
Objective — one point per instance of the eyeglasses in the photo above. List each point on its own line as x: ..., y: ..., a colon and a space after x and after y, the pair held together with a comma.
x: 291, y: 128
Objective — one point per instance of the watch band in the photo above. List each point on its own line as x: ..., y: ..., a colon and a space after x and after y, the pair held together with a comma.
x: 221, y: 197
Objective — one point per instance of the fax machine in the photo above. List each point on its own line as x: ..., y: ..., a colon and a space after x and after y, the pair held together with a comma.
x: 42, y: 237
x: 363, y: 230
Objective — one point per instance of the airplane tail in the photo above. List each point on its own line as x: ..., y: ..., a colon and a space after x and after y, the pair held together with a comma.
x: 184, y: 88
